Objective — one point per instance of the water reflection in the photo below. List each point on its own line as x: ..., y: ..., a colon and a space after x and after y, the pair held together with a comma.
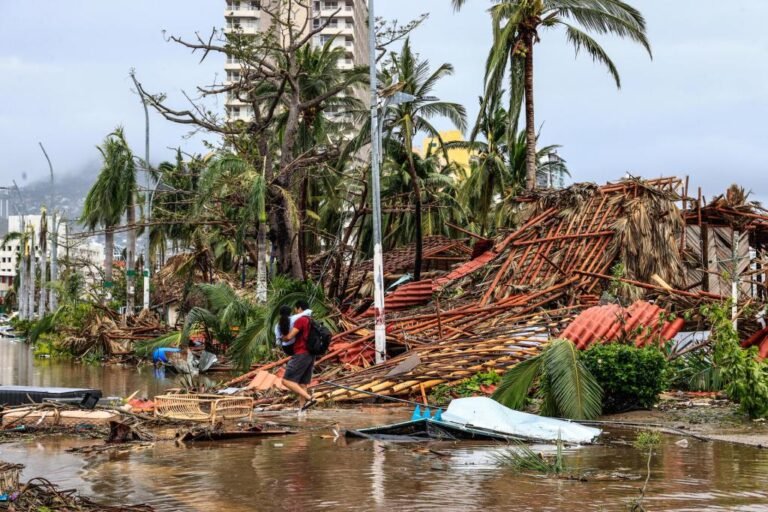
x: 314, y: 471
x: 18, y: 366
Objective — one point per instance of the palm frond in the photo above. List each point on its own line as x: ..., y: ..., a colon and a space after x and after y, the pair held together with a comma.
x: 145, y: 348
x: 575, y: 390
x: 517, y: 383
x: 580, y: 40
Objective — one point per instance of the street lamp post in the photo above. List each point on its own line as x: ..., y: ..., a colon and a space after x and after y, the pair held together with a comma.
x: 380, y: 328
x: 148, y: 199
x: 392, y: 96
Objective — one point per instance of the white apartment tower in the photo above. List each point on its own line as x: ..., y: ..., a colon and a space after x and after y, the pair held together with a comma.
x: 348, y: 23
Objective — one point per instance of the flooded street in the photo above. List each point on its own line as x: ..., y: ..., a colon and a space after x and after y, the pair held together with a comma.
x: 315, y: 471
x: 18, y: 366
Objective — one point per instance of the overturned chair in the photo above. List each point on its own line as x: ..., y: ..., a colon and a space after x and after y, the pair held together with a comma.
x: 203, y: 408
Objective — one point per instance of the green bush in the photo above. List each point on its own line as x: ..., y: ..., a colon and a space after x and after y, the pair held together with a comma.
x: 744, y: 376
x: 631, y: 377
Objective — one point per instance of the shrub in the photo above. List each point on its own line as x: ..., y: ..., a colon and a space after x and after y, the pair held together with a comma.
x: 744, y: 376
x: 631, y: 377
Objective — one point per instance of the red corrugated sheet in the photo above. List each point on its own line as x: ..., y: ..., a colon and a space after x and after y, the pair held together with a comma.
x: 467, y: 268
x: 760, y: 338
x: 642, y: 322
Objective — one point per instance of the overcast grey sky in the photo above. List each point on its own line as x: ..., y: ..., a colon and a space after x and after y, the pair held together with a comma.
x: 698, y: 108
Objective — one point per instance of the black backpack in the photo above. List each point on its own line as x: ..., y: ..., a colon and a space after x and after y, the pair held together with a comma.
x: 319, y: 338
x: 288, y: 349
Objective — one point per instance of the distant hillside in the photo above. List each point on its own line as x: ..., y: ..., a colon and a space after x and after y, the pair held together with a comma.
x: 70, y: 194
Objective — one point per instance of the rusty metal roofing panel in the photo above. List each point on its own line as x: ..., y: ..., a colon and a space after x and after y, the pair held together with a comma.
x: 612, y: 322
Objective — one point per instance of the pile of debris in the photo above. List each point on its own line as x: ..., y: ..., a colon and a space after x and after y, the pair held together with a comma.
x: 173, y: 285
x: 41, y: 494
x: 107, y: 333
x: 576, y: 248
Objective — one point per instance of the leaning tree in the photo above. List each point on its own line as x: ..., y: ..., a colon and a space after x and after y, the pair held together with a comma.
x: 271, y: 85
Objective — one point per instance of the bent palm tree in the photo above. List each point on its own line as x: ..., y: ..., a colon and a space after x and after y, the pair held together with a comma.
x: 407, y: 119
x: 111, y: 195
x: 516, y: 25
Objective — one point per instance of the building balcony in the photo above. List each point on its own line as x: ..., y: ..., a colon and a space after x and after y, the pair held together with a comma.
x: 253, y: 30
x: 234, y: 102
x: 242, y: 13
x: 340, y: 30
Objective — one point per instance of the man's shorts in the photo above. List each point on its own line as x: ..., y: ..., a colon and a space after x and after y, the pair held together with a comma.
x: 299, y: 369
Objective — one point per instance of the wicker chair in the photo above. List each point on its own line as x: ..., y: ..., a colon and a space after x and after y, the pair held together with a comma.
x: 203, y: 408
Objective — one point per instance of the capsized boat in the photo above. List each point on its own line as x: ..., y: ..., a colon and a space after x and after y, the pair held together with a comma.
x: 489, y: 414
x: 481, y: 418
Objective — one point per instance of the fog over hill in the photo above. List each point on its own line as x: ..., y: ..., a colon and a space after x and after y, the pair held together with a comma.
x: 70, y: 192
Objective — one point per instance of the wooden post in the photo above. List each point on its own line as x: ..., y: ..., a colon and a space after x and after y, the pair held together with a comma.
x: 439, y: 320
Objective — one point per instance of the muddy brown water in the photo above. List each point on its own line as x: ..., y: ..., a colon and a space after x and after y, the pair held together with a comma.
x: 313, y: 470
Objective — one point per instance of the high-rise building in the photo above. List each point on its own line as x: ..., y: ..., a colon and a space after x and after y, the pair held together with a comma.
x: 10, y: 251
x: 347, y: 22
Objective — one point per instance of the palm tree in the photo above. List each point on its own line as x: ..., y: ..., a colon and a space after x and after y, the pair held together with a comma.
x: 498, y: 167
x: 110, y: 196
x: 405, y: 120
x: 566, y: 386
x: 233, y: 177
x: 440, y: 199
x: 31, y: 255
x: 490, y: 173
x: 516, y: 25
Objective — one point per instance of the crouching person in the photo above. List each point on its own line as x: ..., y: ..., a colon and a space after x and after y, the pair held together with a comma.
x: 298, y: 373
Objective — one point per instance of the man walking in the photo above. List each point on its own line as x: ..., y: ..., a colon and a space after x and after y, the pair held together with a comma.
x: 298, y: 373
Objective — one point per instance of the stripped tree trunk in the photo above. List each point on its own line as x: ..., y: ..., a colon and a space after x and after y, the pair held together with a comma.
x: 32, y: 272
x: 262, y: 262
x: 21, y: 296
x: 417, y: 211
x: 43, y: 264
x: 530, y: 126
x: 43, y: 271
x: 54, y: 263
x: 130, y: 259
x: 109, y: 242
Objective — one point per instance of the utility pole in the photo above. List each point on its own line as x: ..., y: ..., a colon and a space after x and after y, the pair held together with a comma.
x: 380, y: 328
x: 148, y: 198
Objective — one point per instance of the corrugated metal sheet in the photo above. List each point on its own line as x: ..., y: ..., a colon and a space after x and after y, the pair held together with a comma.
x: 642, y: 322
x: 760, y: 338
